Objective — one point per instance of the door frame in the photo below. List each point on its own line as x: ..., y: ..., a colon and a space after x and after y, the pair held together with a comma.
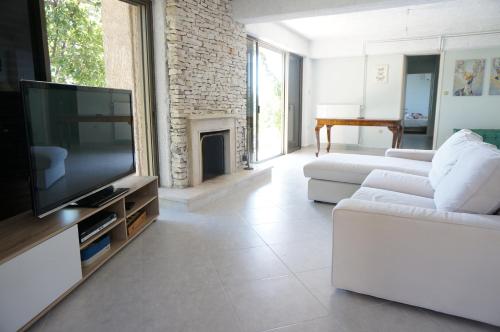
x: 287, y: 72
x: 434, y: 97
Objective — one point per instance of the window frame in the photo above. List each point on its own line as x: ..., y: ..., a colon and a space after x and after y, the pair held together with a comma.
x: 40, y: 43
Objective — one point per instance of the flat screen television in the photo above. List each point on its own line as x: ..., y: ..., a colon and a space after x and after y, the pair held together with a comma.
x: 80, y: 140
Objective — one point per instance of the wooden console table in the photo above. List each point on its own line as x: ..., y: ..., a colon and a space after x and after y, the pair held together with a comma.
x: 394, y: 126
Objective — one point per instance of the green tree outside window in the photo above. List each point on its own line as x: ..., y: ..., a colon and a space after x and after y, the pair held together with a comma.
x: 75, y: 41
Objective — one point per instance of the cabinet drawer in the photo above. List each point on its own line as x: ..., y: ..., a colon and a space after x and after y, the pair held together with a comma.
x: 36, y: 278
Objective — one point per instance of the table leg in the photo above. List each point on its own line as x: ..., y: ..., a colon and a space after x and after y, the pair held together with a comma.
x: 328, y: 137
x: 400, y: 136
x: 395, y: 135
x: 317, y: 139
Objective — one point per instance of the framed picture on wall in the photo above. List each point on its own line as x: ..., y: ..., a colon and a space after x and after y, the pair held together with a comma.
x: 469, y: 77
x: 381, y: 73
x: 495, y: 77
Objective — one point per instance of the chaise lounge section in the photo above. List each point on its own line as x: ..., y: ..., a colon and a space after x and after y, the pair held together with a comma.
x: 336, y: 176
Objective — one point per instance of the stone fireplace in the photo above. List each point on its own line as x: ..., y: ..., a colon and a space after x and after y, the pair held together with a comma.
x: 210, y: 130
x: 206, y: 59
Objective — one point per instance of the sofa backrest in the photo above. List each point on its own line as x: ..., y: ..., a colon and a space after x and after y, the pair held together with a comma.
x: 447, y: 155
x: 473, y: 183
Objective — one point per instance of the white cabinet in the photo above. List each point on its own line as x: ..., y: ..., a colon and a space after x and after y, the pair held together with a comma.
x: 33, y: 280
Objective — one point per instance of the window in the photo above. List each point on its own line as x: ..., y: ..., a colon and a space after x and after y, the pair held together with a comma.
x: 104, y: 43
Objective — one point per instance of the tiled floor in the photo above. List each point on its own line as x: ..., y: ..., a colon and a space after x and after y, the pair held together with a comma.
x: 257, y: 261
x: 417, y: 141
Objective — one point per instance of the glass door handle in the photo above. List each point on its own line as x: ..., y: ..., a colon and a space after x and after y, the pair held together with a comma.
x: 258, y: 109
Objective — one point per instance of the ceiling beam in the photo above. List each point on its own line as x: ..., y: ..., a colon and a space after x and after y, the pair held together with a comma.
x: 258, y: 11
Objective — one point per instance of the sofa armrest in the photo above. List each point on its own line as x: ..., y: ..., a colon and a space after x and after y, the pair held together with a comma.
x: 414, y: 154
x: 407, y: 213
x: 442, y: 261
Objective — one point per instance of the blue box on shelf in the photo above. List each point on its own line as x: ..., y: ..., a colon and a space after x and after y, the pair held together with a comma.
x: 95, y: 250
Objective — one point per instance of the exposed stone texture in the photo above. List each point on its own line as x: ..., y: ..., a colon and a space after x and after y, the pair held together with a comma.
x: 206, y: 54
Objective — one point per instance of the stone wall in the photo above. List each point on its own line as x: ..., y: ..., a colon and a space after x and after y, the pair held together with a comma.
x: 206, y: 57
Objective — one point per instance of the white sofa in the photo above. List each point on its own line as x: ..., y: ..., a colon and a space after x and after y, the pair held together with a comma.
x: 429, y: 241
x: 336, y: 176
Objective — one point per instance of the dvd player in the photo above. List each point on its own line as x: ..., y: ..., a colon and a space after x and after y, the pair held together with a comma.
x: 95, y: 224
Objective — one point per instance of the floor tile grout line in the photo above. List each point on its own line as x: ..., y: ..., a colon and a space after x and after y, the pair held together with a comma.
x: 298, y: 279
x: 292, y: 274
x: 228, y: 296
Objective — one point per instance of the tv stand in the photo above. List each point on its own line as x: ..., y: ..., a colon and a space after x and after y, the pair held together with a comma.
x: 101, y: 197
x: 40, y: 261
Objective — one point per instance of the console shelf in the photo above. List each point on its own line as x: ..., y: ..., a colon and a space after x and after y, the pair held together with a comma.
x: 140, y: 202
x: 23, y: 236
x: 101, y: 233
x: 115, y: 247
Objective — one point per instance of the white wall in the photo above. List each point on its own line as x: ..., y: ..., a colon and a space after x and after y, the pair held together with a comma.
x: 334, y: 81
x: 342, y: 80
x: 383, y: 100
x: 335, y: 47
x: 253, y: 11
x: 478, y: 112
x: 279, y: 36
x: 338, y: 80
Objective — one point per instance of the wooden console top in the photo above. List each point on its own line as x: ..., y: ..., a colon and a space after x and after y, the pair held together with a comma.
x: 22, y: 232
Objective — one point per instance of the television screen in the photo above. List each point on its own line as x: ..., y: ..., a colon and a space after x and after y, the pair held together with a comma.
x: 80, y: 139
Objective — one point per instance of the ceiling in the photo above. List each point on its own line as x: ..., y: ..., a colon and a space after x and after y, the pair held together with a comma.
x: 449, y: 17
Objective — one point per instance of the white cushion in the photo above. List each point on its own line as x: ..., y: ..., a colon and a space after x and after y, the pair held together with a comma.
x: 392, y: 197
x: 354, y: 168
x: 473, y: 184
x: 415, y: 154
x: 447, y: 155
x: 399, y: 182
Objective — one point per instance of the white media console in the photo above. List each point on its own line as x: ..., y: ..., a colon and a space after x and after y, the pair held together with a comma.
x: 40, y: 258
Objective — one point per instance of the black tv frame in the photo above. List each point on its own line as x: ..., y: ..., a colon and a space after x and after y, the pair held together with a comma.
x: 37, y: 211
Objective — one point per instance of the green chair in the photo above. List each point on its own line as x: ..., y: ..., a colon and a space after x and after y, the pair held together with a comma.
x: 491, y: 136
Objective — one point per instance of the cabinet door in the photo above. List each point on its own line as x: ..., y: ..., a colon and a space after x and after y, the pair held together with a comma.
x: 36, y: 278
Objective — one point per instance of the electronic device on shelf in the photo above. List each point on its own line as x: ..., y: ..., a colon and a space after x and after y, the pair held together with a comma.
x: 80, y: 140
x: 94, y: 224
x: 101, y: 197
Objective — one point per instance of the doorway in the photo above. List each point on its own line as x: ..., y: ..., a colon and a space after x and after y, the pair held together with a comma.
x: 422, y: 74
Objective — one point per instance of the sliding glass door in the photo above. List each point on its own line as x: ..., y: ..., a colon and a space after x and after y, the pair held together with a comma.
x: 274, y: 101
x: 270, y: 102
